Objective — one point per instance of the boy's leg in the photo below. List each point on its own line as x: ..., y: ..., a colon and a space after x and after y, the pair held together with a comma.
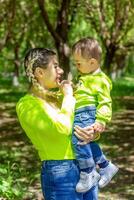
x: 98, y: 155
x: 88, y: 176
x: 83, y: 117
x: 83, y: 155
x: 107, y: 169
x: 86, y: 166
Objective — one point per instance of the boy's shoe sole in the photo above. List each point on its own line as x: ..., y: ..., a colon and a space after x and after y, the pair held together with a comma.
x: 106, y: 183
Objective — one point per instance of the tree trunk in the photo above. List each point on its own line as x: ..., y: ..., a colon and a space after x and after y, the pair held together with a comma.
x: 63, y: 54
x: 60, y: 33
x: 16, y: 66
x: 110, y: 53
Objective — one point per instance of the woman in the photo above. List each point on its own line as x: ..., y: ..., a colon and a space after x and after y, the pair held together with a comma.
x: 47, y: 119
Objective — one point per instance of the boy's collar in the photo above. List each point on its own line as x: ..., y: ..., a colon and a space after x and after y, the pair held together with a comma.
x: 96, y: 71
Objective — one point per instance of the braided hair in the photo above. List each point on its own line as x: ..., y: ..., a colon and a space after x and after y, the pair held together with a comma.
x: 38, y: 57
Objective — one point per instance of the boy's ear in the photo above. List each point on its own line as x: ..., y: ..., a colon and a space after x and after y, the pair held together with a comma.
x: 93, y: 61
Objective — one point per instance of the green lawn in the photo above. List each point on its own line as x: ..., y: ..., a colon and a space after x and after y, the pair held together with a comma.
x: 123, y: 87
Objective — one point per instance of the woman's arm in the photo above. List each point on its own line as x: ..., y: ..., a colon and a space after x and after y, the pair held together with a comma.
x: 62, y: 120
x: 34, y: 115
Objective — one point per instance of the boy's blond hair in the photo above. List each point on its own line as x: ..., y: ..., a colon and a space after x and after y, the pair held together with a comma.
x: 88, y: 48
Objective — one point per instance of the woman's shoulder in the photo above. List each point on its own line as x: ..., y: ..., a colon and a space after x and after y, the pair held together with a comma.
x: 28, y: 98
x: 26, y: 103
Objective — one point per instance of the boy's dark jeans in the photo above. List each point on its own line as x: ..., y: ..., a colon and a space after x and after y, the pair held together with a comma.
x: 90, y: 154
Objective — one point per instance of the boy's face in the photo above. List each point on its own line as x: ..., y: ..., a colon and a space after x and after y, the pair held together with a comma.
x: 84, y: 65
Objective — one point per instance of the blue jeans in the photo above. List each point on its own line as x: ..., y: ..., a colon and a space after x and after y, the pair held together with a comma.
x: 59, y: 179
x: 90, y: 154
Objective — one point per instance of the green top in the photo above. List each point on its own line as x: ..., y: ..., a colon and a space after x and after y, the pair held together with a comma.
x: 48, y: 128
x: 94, y: 89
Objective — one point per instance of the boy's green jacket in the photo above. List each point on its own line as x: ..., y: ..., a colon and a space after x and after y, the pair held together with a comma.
x: 94, y: 90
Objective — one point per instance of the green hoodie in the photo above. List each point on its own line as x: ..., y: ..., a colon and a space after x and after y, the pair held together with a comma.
x: 94, y: 90
x: 49, y: 129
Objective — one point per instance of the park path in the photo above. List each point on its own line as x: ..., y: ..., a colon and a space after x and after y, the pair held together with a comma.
x: 119, y: 145
x: 117, y: 142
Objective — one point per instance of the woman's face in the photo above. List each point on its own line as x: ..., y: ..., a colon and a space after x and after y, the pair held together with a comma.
x: 51, y: 76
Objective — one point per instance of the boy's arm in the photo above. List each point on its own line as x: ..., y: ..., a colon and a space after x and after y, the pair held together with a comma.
x: 104, y: 108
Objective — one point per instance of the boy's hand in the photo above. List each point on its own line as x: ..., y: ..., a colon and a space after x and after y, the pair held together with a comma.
x: 98, y: 127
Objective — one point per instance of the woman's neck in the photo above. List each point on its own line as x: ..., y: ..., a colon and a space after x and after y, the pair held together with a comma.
x: 36, y: 92
x: 50, y: 97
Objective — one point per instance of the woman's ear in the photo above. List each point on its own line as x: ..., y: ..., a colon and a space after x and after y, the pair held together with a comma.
x: 39, y: 72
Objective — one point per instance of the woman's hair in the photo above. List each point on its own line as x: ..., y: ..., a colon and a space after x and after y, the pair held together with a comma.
x: 88, y: 48
x: 37, y: 57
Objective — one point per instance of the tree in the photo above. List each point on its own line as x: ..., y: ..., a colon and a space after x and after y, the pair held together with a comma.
x: 66, y: 21
x: 21, y: 28
x: 65, y: 13
x: 7, y: 18
x: 112, y: 20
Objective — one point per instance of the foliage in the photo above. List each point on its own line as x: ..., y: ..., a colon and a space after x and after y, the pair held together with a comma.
x: 123, y: 87
x: 25, y: 26
x: 112, y: 21
x: 20, y: 32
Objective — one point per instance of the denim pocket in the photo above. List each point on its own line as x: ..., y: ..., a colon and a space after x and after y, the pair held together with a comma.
x: 61, y: 168
x: 65, y: 177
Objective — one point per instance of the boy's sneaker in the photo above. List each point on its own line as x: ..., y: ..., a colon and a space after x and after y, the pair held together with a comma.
x: 87, y: 181
x: 107, y: 174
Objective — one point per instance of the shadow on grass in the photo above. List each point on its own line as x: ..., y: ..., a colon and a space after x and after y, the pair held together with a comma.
x: 118, y: 143
x: 20, y: 165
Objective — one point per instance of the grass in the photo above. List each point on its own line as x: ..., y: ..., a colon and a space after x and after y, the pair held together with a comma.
x: 20, y: 165
x: 123, y: 90
x: 123, y: 87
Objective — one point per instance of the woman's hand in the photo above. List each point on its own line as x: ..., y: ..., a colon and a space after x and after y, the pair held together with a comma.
x: 85, y: 134
x: 66, y: 88
x: 88, y: 133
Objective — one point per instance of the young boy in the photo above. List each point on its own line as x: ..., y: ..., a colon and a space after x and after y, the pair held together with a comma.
x: 93, y: 107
